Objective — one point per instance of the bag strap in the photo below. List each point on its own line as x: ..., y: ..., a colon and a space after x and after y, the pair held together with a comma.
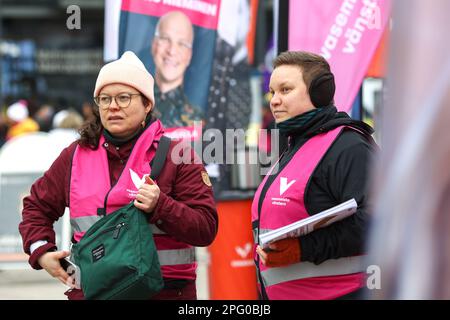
x: 159, y: 159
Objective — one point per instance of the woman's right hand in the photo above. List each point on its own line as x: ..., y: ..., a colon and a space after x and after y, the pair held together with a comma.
x: 50, y: 262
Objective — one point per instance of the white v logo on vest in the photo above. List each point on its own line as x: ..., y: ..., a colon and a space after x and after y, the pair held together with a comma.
x: 137, y: 181
x: 284, y: 185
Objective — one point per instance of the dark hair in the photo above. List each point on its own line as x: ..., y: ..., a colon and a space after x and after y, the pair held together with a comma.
x: 92, y: 129
x: 312, y: 65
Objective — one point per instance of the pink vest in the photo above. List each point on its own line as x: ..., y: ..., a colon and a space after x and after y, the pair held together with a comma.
x: 90, y: 190
x: 284, y: 204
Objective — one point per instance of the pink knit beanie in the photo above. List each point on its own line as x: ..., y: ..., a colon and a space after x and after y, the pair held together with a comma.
x: 128, y: 70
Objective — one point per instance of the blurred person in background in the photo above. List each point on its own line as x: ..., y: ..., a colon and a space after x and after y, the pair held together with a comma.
x: 73, y: 120
x: 19, y: 121
x: 87, y: 110
x: 326, y: 163
x: 66, y: 124
x: 115, y: 150
x: 172, y: 53
x: 44, y: 116
x: 3, y: 128
x: 410, y: 239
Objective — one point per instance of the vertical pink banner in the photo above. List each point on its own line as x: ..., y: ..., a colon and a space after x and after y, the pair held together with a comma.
x: 345, y: 32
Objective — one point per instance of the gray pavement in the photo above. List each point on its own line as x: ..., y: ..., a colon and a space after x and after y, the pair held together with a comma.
x: 23, y: 283
x: 28, y: 284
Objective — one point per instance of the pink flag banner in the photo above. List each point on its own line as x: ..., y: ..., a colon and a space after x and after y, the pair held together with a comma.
x: 345, y: 32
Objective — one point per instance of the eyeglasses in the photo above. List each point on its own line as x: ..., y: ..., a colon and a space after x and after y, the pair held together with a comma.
x: 166, y: 40
x: 123, y: 100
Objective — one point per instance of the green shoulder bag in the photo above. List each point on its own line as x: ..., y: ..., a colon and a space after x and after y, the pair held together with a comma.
x: 117, y: 255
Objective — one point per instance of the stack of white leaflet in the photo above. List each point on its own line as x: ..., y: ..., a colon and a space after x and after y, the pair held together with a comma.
x: 305, y: 226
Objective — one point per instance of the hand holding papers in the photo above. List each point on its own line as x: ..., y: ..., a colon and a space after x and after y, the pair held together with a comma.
x: 305, y: 226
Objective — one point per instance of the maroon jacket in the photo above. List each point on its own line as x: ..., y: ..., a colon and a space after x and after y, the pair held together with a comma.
x: 185, y: 209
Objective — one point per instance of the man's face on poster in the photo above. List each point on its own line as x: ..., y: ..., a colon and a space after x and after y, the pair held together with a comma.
x: 172, y: 49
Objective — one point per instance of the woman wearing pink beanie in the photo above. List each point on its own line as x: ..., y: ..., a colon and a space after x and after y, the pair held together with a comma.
x: 106, y: 169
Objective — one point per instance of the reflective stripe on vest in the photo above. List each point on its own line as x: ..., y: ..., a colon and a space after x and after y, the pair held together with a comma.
x: 176, y: 256
x: 303, y: 270
x: 166, y: 257
x: 256, y: 235
x: 82, y: 224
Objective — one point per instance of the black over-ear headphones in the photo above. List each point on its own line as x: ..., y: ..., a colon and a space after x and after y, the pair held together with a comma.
x: 321, y: 90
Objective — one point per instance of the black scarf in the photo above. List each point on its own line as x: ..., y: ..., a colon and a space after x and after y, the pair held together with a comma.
x: 297, y: 123
x: 118, y: 142
x: 318, y: 121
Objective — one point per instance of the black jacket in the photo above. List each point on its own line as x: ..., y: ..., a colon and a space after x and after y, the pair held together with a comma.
x: 342, y: 174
